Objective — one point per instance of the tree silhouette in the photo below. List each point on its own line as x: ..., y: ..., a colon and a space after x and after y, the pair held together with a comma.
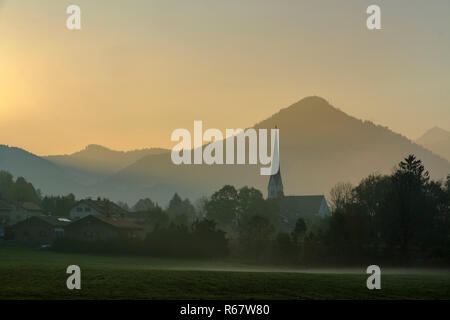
x: 299, y: 230
x: 407, y: 208
x: 222, y: 207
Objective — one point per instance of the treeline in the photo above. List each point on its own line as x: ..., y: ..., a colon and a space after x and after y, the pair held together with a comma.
x: 401, y: 218
x: 398, y: 219
x: 201, y: 240
x: 19, y: 190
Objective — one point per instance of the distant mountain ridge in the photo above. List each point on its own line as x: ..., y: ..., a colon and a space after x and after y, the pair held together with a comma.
x: 437, y: 140
x: 99, y: 159
x: 45, y: 175
x: 320, y: 146
x: 78, y: 173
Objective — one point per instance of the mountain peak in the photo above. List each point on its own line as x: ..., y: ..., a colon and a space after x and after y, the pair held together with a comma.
x: 312, y: 116
x: 311, y: 102
x: 434, y: 135
x: 311, y: 107
x: 437, y: 140
x: 95, y: 147
x: 438, y: 130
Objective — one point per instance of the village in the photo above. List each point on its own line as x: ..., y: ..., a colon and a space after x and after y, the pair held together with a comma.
x: 102, y: 220
x: 89, y: 220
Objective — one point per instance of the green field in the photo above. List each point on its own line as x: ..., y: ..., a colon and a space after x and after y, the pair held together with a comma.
x: 32, y: 274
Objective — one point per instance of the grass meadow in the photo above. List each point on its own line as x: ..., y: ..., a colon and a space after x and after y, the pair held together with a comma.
x: 27, y: 273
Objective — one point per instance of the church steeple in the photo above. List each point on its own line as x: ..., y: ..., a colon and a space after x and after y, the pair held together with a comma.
x: 275, y: 188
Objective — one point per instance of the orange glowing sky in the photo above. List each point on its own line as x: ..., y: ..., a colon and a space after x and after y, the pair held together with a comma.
x: 140, y: 69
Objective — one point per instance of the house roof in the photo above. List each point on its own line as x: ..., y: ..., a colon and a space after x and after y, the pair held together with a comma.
x: 55, y: 221
x: 115, y: 222
x: 105, y: 207
x: 50, y: 220
x: 119, y: 222
x: 30, y: 206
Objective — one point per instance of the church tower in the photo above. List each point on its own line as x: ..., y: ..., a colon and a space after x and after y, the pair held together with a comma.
x: 275, y: 188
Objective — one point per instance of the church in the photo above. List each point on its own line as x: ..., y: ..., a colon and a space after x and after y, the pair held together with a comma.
x: 293, y: 207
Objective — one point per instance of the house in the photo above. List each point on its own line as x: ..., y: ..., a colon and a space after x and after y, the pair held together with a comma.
x: 5, y: 216
x: 11, y: 213
x: 31, y: 208
x: 308, y: 207
x: 87, y: 207
x: 103, y: 228
x: 39, y: 230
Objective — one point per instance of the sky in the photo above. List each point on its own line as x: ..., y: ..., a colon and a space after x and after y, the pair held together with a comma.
x: 137, y: 70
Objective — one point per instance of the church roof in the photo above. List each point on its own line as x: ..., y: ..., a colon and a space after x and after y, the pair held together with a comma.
x: 304, y: 204
x: 275, y: 187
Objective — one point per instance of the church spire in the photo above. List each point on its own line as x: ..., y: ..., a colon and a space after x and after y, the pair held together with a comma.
x: 275, y: 188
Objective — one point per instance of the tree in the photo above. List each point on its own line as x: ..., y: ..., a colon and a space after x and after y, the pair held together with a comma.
x: 251, y: 202
x: 372, y: 191
x: 57, y: 205
x: 208, y: 240
x: 299, y: 230
x: 123, y: 205
x: 414, y: 169
x: 22, y: 191
x: 404, y: 215
x: 255, y: 234
x: 144, y: 205
x: 175, y: 205
x: 200, y: 207
x: 157, y: 218
x: 285, y: 250
x: 182, y: 212
x: 222, y: 207
x: 341, y: 195
x: 408, y: 208
x: 6, y: 182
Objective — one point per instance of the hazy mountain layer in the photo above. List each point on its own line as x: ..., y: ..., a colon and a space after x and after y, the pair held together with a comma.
x: 319, y: 146
x: 436, y: 140
x: 45, y: 175
x: 101, y: 160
